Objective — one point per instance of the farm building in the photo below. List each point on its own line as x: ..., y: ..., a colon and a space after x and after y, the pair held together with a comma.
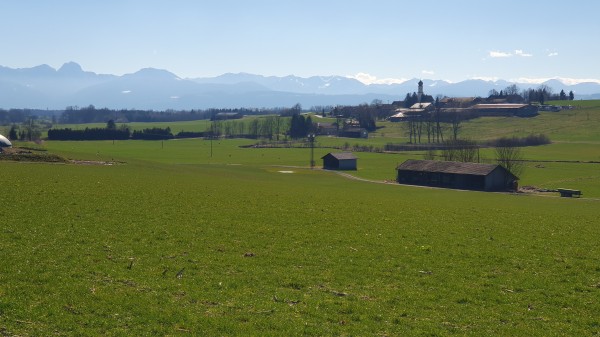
x: 4, y: 142
x: 468, y: 176
x: 506, y: 109
x: 339, y: 161
x: 352, y: 132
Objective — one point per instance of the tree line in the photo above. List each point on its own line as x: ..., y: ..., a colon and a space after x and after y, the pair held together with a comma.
x: 89, y: 134
x: 91, y: 114
x: 110, y: 132
x: 270, y: 127
x: 541, y: 94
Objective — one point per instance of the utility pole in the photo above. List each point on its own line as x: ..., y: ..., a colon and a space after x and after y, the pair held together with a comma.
x: 212, y: 135
x: 311, y: 138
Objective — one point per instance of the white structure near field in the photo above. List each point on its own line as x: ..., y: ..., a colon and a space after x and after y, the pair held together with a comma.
x: 4, y: 142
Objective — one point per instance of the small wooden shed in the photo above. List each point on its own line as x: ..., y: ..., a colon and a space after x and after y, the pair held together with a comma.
x: 339, y: 161
x: 467, y: 176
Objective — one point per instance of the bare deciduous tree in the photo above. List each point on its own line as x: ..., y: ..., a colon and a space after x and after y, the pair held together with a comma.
x: 462, y: 150
x: 510, y: 157
x: 455, y: 126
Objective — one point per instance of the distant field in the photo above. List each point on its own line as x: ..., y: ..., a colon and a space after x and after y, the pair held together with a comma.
x: 568, y: 125
x: 213, y: 239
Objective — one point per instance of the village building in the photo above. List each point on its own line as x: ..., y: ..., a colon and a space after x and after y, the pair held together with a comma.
x: 505, y: 109
x: 465, y: 108
x: 417, y: 110
x: 339, y: 161
x: 354, y: 133
x: 327, y: 129
x: 467, y: 176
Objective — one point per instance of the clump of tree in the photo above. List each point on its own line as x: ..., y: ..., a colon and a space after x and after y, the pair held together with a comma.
x: 412, y: 99
x: 530, y: 140
x: 269, y: 127
x: 366, y: 117
x: 89, y: 134
x: 29, y: 130
x: 110, y: 132
x: 544, y: 93
x: 153, y: 134
x: 510, y: 157
x: 13, y: 116
x: 300, y: 127
x: 460, y: 150
x: 13, y: 134
x: 189, y: 134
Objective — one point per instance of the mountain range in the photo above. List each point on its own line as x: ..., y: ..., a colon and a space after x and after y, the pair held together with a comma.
x: 43, y: 87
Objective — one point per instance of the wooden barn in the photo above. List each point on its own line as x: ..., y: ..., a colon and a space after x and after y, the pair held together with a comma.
x: 339, y: 161
x: 467, y: 176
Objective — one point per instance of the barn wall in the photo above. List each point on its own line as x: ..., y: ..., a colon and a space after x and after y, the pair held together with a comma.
x: 497, y: 180
x: 447, y: 180
x: 348, y: 164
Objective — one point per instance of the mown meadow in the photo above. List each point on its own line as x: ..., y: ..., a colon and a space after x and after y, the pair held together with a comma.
x: 170, y: 240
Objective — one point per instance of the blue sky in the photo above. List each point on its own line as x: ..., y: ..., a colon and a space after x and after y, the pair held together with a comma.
x: 372, y: 40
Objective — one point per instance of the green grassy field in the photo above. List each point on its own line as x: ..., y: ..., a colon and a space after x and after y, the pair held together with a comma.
x: 173, y: 241
x: 97, y: 250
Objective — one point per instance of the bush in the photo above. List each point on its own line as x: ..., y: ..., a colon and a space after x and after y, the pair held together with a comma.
x: 531, y: 140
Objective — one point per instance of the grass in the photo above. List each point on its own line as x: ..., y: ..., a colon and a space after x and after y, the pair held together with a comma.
x: 97, y: 249
x: 177, y: 241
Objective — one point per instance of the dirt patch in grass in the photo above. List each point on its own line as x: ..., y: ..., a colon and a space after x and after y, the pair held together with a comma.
x: 95, y: 162
x: 30, y: 155
x: 26, y: 154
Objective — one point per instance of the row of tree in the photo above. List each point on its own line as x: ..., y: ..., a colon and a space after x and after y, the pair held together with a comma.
x: 89, y: 134
x: 153, y: 134
x: 269, y: 127
x: 90, y: 114
x: 110, y: 132
x: 541, y: 94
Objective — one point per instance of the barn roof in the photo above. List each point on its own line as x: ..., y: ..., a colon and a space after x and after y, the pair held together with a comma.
x: 341, y: 155
x: 499, y: 106
x: 447, y: 167
x: 424, y: 105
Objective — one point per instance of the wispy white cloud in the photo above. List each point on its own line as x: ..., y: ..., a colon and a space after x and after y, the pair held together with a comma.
x: 371, y: 79
x: 499, y: 54
x: 502, y: 54
x: 521, y: 53
x: 552, y: 54
x: 428, y: 72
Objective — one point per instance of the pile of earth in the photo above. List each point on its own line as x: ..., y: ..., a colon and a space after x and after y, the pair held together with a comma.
x: 27, y: 154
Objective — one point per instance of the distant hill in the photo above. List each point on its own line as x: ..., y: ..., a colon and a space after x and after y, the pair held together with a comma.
x: 43, y: 87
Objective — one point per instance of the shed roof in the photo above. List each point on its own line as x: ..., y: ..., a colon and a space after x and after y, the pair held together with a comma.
x: 341, y: 155
x: 447, y: 167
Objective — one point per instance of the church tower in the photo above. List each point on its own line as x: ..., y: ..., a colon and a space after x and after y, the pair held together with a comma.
x: 420, y: 92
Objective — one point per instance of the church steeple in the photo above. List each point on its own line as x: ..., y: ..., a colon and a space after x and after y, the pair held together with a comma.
x: 420, y: 92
